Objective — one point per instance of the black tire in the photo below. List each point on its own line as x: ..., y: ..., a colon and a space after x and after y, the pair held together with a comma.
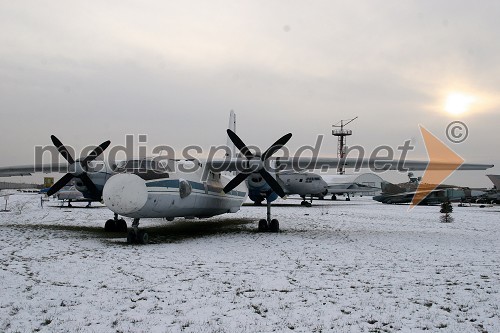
x: 307, y: 204
x: 334, y: 197
x: 131, y: 237
x: 347, y: 199
x: 274, y: 226
x: 142, y: 237
x: 121, y: 225
x: 110, y: 226
x: 262, y: 225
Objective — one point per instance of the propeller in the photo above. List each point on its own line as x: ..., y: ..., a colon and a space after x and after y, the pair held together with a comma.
x: 80, y: 167
x: 273, y: 183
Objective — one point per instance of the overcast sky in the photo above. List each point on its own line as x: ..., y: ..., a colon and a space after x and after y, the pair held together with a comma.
x: 88, y: 71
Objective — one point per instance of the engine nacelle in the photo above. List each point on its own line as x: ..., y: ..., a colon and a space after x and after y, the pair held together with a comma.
x: 259, y: 190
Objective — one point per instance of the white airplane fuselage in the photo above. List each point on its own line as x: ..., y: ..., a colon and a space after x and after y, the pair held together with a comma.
x: 179, y: 194
x: 303, y: 183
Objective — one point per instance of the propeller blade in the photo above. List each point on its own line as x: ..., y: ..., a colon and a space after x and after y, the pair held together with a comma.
x: 276, y: 146
x: 59, y: 184
x: 272, y: 182
x: 62, y: 149
x: 235, y: 181
x: 239, y: 144
x: 89, y: 184
x: 96, y: 152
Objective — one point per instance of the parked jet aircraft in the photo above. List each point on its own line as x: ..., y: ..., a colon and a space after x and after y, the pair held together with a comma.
x: 367, y: 183
x: 493, y: 195
x: 404, y: 193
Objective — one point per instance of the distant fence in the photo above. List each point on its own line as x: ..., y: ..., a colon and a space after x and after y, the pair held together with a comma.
x: 18, y: 186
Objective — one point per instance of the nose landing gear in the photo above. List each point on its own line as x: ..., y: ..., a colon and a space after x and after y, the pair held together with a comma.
x: 269, y: 224
x: 306, y: 203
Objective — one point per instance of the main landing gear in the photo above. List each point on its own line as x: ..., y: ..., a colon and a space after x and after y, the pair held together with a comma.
x: 115, y: 225
x: 269, y: 224
x: 306, y: 203
x: 136, y: 236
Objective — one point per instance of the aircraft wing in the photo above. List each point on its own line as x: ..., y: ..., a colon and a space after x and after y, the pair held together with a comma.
x: 337, y: 190
x: 27, y: 170
x: 352, y: 188
x: 373, y: 164
x: 412, y: 193
x: 309, y: 163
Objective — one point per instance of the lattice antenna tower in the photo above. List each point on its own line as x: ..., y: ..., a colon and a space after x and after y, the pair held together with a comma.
x: 340, y: 132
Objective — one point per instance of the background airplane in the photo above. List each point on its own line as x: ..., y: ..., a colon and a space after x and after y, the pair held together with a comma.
x: 404, y: 193
x: 304, y: 184
x: 493, y: 195
x: 367, y: 183
x: 70, y: 194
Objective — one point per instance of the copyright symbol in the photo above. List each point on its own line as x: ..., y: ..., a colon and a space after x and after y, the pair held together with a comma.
x: 457, y: 131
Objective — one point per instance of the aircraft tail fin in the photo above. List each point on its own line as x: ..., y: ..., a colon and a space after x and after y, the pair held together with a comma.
x: 232, y: 127
x: 495, y: 179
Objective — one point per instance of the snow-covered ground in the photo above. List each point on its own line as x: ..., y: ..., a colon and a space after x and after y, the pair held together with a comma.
x: 337, y: 266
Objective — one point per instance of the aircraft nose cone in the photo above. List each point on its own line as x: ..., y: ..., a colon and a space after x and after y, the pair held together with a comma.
x: 125, y: 193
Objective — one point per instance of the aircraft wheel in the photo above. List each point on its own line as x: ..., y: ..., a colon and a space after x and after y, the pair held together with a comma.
x: 303, y: 202
x: 347, y: 199
x: 121, y: 225
x: 110, y: 226
x: 307, y: 204
x: 334, y: 197
x: 262, y: 225
x: 274, y: 226
x: 131, y: 237
x: 142, y: 237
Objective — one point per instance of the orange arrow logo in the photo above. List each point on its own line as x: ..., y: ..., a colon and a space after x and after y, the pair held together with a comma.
x: 442, y: 163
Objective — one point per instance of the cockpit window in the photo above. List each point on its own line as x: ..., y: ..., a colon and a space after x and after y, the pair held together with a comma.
x: 146, y: 168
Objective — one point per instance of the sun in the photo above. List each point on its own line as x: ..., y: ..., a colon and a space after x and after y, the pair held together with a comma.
x: 458, y: 103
